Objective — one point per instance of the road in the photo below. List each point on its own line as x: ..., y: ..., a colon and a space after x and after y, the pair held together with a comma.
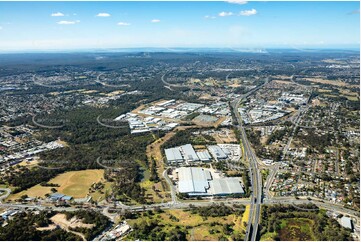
x: 6, y: 192
x: 172, y: 188
x: 181, y: 205
x: 256, y: 178
x: 270, y: 178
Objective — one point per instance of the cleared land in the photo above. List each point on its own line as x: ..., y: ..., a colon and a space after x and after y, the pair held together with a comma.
x: 73, y: 183
x: 296, y: 229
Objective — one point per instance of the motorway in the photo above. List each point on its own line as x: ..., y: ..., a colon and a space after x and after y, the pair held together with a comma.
x: 256, y: 178
x: 256, y: 184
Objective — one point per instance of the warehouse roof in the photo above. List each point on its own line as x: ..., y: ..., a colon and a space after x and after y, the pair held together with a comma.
x: 173, y: 155
x: 225, y: 186
x: 204, y: 155
x: 193, y: 180
x: 217, y: 152
x: 189, y: 153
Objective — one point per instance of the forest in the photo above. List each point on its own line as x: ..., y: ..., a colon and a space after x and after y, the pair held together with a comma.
x: 323, y: 227
x: 22, y: 227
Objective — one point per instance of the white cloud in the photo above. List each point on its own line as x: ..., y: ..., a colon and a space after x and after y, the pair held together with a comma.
x: 123, y: 24
x: 209, y: 17
x: 65, y: 22
x: 155, y: 21
x: 58, y: 14
x: 1, y: 27
x: 236, y: 1
x: 225, y: 14
x: 248, y: 12
x: 103, y: 15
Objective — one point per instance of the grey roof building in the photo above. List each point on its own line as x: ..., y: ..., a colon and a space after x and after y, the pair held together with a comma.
x: 217, y: 152
x: 225, y: 186
x: 173, y: 155
x: 346, y: 222
x: 189, y: 153
x: 204, y: 155
x: 193, y: 180
x: 196, y: 181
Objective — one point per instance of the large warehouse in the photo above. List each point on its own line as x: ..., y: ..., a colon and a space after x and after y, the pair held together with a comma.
x: 180, y: 154
x: 226, y: 186
x: 173, y: 155
x: 188, y: 153
x: 193, y: 180
x: 217, y: 152
x: 197, y: 181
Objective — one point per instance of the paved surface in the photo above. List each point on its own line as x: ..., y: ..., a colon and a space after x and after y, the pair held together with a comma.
x: 6, y: 192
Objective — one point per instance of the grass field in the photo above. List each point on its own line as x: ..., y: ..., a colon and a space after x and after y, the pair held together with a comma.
x: 241, y: 221
x: 162, y: 195
x: 199, y: 228
x: 73, y: 183
x: 100, y: 195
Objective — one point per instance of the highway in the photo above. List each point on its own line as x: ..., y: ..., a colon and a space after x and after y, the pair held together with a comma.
x: 255, y: 176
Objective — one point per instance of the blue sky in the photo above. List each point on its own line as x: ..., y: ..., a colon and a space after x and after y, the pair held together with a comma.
x: 75, y: 25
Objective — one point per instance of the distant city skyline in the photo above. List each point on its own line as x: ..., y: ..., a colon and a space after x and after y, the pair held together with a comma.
x: 230, y: 24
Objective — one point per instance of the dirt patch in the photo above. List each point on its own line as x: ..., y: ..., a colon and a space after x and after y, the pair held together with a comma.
x: 50, y: 227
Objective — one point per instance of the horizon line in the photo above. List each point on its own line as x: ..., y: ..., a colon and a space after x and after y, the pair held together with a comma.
x: 180, y: 49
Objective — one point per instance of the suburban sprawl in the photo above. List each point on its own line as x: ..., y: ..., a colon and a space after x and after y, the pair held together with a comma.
x: 198, y: 145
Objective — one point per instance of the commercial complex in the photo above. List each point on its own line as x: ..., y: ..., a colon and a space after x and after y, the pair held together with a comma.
x: 186, y: 153
x: 197, y: 181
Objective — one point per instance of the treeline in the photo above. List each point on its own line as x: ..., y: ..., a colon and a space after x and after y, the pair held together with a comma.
x: 87, y: 141
x: 217, y: 210
x: 324, y: 228
x: 186, y: 136
x: 153, y: 230
x: 23, y: 228
x: 126, y: 180
x: 316, y: 141
x: 100, y: 222
x: 277, y: 135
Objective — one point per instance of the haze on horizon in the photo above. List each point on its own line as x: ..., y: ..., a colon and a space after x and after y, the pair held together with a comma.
x: 235, y: 24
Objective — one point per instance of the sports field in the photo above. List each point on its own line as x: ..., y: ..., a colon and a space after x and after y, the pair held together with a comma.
x: 72, y: 183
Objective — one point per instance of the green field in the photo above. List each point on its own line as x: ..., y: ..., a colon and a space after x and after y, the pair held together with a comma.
x: 296, y: 229
x: 73, y: 183
x: 197, y: 227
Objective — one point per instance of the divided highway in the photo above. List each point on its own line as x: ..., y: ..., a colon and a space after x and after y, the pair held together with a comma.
x: 256, y: 178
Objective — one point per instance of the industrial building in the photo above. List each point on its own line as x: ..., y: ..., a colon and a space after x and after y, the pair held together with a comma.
x: 197, y: 181
x: 204, y: 156
x: 188, y: 153
x: 193, y: 181
x: 346, y: 222
x: 180, y: 154
x: 217, y: 152
x: 225, y: 186
x: 173, y: 155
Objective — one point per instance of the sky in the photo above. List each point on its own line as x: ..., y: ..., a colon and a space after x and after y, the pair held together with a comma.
x: 232, y: 24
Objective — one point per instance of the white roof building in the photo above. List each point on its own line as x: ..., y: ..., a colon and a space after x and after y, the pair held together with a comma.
x: 173, y: 155
x: 189, y: 153
x: 225, y: 186
x: 204, y: 155
x: 346, y: 222
x: 217, y: 152
x: 197, y: 181
x: 193, y: 180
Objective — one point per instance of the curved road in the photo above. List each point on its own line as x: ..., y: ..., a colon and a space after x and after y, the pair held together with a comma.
x: 6, y: 191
